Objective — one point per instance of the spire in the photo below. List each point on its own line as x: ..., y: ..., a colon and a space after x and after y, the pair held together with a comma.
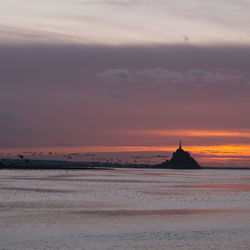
x: 180, y: 145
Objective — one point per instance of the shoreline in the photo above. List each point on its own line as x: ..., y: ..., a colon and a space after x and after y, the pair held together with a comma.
x: 71, y: 165
x: 112, y: 168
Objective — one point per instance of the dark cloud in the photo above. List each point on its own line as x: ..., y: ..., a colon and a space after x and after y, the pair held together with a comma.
x: 199, y: 73
x: 116, y: 75
x: 159, y: 73
x: 33, y: 91
x: 5, y: 117
x: 165, y: 75
x: 115, y: 95
x: 20, y: 94
x: 214, y: 76
x: 12, y: 132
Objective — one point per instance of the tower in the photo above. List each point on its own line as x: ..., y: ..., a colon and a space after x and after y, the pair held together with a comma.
x: 180, y: 145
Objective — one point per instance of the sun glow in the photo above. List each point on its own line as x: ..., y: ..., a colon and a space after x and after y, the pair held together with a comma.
x: 223, y: 155
x: 216, y: 155
x: 193, y: 133
x: 212, y: 151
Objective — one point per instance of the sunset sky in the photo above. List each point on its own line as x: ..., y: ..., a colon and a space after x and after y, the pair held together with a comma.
x: 126, y: 75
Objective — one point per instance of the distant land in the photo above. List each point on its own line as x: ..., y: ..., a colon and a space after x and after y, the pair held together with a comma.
x: 180, y: 159
x: 72, y: 165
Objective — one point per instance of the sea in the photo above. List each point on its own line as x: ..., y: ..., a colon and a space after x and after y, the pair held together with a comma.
x: 125, y: 209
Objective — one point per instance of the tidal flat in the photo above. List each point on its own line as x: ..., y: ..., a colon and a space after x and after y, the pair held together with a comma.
x: 125, y: 209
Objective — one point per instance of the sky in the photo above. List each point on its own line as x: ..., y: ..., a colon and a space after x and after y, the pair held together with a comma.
x: 128, y: 75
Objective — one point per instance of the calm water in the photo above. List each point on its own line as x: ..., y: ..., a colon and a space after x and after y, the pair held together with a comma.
x: 125, y: 209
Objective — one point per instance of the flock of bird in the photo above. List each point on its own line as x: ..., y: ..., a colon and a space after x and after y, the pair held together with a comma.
x: 93, y: 157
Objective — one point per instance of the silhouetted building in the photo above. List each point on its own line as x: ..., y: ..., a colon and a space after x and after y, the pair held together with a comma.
x: 181, y: 160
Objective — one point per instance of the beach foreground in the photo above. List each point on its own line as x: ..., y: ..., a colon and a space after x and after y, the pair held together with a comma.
x: 125, y: 209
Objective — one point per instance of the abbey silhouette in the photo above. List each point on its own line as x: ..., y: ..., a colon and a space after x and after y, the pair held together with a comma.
x: 181, y: 160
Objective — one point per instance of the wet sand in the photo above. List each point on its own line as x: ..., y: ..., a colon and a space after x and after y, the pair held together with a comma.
x: 125, y: 209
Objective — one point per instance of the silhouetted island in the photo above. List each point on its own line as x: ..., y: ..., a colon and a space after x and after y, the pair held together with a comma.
x: 181, y: 160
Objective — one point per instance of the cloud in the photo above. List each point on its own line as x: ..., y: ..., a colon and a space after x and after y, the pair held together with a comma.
x: 115, y: 95
x: 116, y: 74
x: 159, y: 73
x: 193, y: 75
x: 32, y: 91
x: 20, y: 93
x: 26, y: 131
x: 212, y: 76
x: 199, y: 73
x: 115, y: 3
x: 14, y: 34
x: 5, y: 117
x: 164, y: 74
x: 16, y: 131
x: 141, y: 21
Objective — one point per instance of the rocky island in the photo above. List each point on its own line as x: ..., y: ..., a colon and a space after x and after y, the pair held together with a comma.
x: 181, y: 159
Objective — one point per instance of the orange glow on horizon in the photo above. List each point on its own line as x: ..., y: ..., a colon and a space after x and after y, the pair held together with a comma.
x: 227, y: 155
x: 191, y: 133
x: 211, y: 151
